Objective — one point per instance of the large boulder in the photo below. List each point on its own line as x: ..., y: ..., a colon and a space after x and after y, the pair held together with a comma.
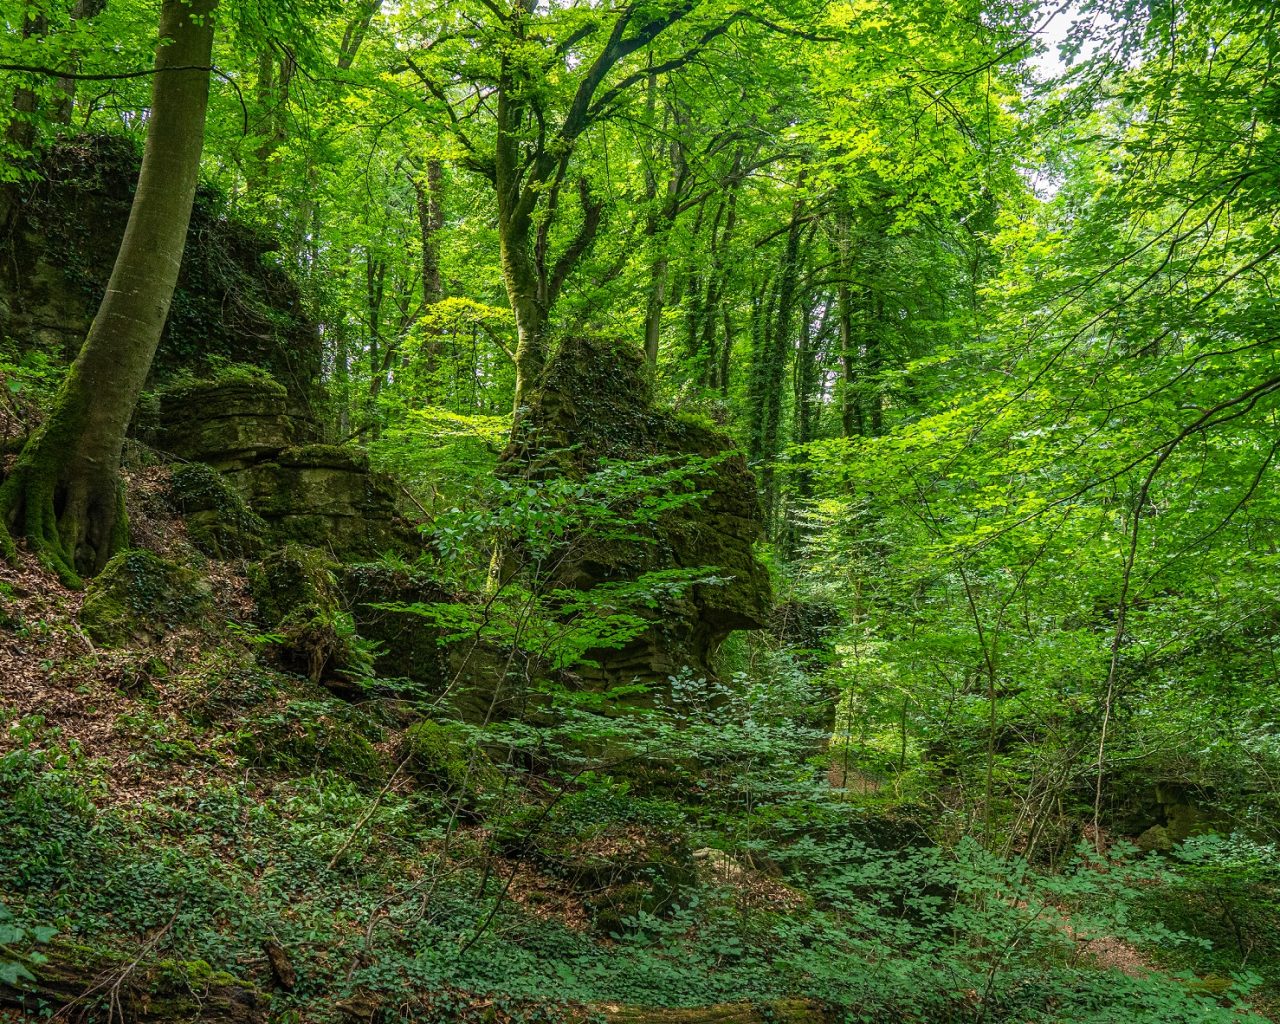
x: 219, y: 521
x: 231, y: 421
x: 594, y: 404
x: 140, y: 597
x: 417, y: 654
x: 327, y: 496
x: 387, y: 603
x: 295, y: 597
x: 247, y: 426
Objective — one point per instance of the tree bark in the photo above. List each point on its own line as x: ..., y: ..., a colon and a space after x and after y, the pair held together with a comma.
x: 65, y: 493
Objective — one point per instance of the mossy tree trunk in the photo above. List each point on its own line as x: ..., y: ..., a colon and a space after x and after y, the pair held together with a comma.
x: 65, y: 494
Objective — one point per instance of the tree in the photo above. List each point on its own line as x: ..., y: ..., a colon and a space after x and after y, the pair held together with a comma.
x: 65, y: 494
x: 537, y: 125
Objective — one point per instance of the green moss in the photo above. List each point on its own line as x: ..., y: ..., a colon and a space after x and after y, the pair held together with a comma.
x: 140, y: 596
x: 299, y: 740
x: 293, y: 582
x: 219, y: 521
x: 444, y: 755
x: 296, y: 597
x: 195, y: 975
x: 326, y: 456
x: 187, y: 386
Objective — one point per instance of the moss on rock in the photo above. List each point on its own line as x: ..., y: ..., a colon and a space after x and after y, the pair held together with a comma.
x: 409, y: 643
x: 230, y: 423
x: 145, y: 991
x: 298, y: 741
x: 219, y: 522
x: 444, y: 755
x: 296, y: 597
x: 139, y: 597
x: 595, y: 404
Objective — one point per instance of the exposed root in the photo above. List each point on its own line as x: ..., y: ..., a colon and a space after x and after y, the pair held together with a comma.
x: 72, y: 528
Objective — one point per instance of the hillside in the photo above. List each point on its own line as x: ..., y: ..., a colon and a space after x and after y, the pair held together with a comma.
x: 648, y: 512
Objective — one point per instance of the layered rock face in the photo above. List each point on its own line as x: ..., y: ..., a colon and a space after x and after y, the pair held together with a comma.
x: 265, y: 446
x: 233, y: 303
x: 596, y: 404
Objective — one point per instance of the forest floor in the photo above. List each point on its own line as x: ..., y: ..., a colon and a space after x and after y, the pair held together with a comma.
x: 183, y: 796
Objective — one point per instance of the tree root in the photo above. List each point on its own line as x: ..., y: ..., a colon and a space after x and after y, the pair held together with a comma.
x: 28, y: 510
x: 71, y: 528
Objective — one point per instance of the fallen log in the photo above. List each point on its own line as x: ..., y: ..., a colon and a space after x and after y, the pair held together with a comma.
x: 774, y: 1011
x: 92, y: 985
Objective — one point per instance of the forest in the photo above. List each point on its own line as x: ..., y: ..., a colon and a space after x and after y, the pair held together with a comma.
x: 639, y: 511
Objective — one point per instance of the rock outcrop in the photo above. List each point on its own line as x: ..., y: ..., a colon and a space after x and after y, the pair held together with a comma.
x: 233, y: 303
x: 246, y: 425
x: 139, y: 597
x: 595, y: 404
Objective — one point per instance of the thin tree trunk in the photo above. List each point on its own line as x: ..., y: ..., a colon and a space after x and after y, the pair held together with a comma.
x: 65, y: 493
x: 22, y: 128
x: 773, y: 367
x: 875, y: 364
x: 851, y: 421
x: 726, y: 353
x: 65, y: 101
x: 353, y: 38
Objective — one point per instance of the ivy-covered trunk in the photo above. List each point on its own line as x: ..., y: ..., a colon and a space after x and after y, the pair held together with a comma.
x: 65, y: 494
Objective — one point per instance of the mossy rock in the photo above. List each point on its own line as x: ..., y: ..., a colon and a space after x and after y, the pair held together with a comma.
x: 1156, y: 839
x: 231, y: 424
x: 140, y: 597
x: 409, y: 643
x: 296, y: 598
x: 326, y: 496
x: 300, y: 742
x: 219, y: 522
x: 774, y: 1011
x: 444, y: 755
x: 325, y: 456
x: 293, y: 579
x: 69, y: 977
x: 594, y: 405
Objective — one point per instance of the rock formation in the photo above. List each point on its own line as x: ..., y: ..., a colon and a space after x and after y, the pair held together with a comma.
x: 248, y: 427
x: 233, y: 304
x: 595, y: 404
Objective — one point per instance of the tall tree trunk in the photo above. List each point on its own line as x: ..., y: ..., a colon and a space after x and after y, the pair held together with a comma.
x: 851, y: 420
x: 427, y: 192
x: 65, y: 493
x: 726, y: 353
x: 531, y: 315
x: 875, y: 364
x: 430, y: 223
x: 771, y: 375
x: 275, y: 79
x: 357, y: 28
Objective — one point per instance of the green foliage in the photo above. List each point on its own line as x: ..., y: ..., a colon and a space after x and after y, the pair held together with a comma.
x: 1002, y: 352
x: 304, y: 737
x: 1227, y: 896
x: 448, y: 756
x: 14, y: 965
